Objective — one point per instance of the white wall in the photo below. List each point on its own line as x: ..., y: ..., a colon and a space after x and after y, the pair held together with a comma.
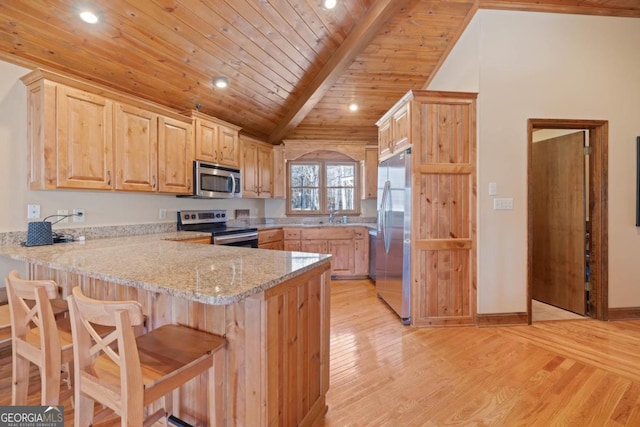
x: 539, y: 65
x: 101, y: 208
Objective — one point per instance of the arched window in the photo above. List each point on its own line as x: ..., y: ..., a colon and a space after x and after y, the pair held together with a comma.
x: 323, y: 182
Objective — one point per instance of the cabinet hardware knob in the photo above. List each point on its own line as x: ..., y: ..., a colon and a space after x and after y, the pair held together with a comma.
x: 153, y: 181
x: 108, y: 177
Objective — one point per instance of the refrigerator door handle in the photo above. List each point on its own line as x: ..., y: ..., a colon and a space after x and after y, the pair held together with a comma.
x: 386, y: 197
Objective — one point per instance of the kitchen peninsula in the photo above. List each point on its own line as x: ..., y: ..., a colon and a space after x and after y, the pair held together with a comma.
x: 272, y: 306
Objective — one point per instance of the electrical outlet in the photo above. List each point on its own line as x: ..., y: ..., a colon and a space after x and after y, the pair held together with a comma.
x: 62, y: 212
x: 33, y: 211
x: 162, y: 213
x: 78, y: 215
x: 502, y: 204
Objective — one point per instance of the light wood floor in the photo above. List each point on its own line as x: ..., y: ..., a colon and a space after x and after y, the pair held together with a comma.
x: 542, y: 312
x: 571, y: 372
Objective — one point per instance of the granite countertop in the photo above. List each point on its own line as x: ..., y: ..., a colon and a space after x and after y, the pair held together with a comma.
x: 211, y: 274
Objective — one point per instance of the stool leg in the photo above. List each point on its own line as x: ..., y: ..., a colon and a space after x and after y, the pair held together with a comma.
x: 50, y: 378
x: 20, y: 380
x: 83, y: 411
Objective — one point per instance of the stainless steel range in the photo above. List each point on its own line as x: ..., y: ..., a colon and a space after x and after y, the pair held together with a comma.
x: 215, y: 221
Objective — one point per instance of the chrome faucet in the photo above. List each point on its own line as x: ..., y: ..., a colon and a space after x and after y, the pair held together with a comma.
x: 332, y: 215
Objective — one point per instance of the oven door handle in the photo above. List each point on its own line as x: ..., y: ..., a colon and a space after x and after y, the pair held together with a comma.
x: 235, y: 238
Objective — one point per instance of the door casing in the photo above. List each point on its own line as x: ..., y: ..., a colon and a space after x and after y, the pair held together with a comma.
x: 598, y: 212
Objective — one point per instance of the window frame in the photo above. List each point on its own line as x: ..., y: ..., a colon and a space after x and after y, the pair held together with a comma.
x: 323, y: 188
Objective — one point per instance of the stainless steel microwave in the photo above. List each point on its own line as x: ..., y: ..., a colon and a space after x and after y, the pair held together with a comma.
x: 215, y: 181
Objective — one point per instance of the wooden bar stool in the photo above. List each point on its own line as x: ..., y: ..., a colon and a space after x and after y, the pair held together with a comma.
x: 36, y: 338
x: 125, y: 373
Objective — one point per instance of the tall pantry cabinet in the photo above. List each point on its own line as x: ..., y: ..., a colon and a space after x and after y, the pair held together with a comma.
x: 440, y: 129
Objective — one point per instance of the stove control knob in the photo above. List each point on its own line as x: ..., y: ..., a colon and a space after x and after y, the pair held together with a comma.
x: 193, y: 216
x: 218, y: 215
x: 224, y: 215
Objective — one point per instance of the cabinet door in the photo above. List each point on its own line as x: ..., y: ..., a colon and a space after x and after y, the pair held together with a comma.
x: 370, y: 174
x: 279, y: 170
x: 264, y: 171
x: 229, y: 154
x: 136, y: 149
x: 314, y: 246
x: 342, y: 257
x: 249, y: 169
x: 175, y: 156
x: 361, y: 251
x: 206, y: 134
x: 84, y: 151
x: 292, y: 245
x: 400, y: 128
x: 384, y: 139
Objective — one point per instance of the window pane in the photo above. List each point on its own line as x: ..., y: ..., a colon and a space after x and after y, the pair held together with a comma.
x: 305, y: 175
x: 340, y: 175
x: 305, y: 199
x: 341, y: 199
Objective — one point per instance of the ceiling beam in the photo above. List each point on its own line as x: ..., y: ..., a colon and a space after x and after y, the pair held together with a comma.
x: 355, y: 43
x: 561, y: 6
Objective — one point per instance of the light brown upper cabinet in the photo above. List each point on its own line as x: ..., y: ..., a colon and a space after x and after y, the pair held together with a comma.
x: 136, y: 149
x: 370, y: 173
x: 216, y: 141
x: 393, y: 131
x: 175, y: 156
x: 84, y: 136
x: 256, y: 167
x: 84, y: 140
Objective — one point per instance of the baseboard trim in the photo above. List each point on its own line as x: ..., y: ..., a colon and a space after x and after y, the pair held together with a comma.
x: 624, y: 313
x: 502, y: 319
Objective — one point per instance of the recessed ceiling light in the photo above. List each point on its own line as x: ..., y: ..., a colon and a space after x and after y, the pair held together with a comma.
x: 89, y: 17
x: 330, y: 4
x: 221, y: 82
x: 353, y: 107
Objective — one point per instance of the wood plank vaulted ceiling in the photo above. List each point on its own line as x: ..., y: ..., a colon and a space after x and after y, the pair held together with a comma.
x: 294, y: 66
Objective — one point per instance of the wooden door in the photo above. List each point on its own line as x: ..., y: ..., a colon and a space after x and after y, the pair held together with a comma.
x: 136, y: 149
x: 558, y: 197
x: 84, y: 151
x: 175, y: 156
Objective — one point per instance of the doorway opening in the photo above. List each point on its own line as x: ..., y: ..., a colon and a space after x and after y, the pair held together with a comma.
x: 591, y: 223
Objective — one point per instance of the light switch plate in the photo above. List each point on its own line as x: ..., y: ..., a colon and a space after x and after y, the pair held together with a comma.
x: 493, y: 188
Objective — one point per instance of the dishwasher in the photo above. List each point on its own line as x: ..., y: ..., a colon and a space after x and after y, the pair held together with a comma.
x: 373, y: 236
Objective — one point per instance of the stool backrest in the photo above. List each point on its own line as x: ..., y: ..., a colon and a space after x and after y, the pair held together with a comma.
x: 119, y: 346
x: 40, y: 315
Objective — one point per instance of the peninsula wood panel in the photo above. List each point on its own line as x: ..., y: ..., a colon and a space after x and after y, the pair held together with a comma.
x: 277, y: 363
x: 444, y: 193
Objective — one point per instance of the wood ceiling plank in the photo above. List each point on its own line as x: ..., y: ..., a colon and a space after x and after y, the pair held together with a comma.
x: 357, y: 41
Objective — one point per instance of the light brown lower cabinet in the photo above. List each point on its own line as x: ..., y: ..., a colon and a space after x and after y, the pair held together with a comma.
x: 348, y: 246
x: 271, y: 239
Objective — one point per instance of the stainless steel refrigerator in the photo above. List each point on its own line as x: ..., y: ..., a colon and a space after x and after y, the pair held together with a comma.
x: 393, y: 254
